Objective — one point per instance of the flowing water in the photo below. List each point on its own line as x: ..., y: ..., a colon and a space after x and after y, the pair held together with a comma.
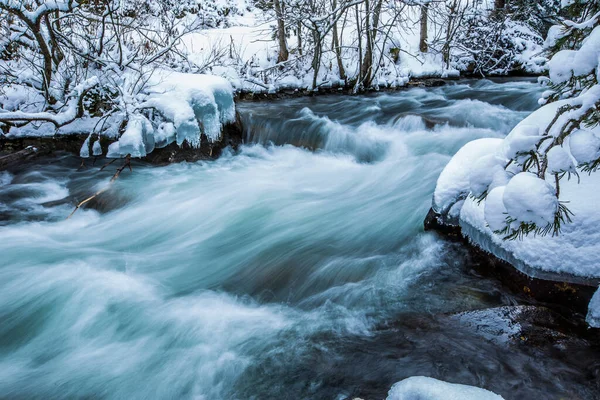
x: 295, y: 268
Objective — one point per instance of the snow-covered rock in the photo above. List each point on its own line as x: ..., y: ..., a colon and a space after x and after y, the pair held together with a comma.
x: 512, y: 183
x: 424, y: 388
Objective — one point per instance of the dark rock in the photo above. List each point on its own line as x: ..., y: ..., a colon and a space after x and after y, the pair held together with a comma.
x: 562, y: 295
x: 531, y: 325
x: 27, y: 154
x: 439, y: 223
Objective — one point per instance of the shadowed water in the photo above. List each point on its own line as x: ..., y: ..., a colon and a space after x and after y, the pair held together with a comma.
x: 294, y: 268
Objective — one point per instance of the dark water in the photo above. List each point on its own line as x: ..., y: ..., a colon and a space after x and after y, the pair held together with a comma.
x: 276, y: 272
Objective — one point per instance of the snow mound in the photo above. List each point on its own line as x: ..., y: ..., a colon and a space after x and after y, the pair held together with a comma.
x: 424, y: 388
x: 188, y: 105
x: 530, y: 199
x: 454, y: 182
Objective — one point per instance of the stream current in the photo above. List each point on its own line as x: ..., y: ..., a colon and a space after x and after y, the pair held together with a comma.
x: 294, y: 268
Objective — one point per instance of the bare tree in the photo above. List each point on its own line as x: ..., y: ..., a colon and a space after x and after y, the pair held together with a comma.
x: 81, y: 56
x: 336, y: 46
x: 283, y: 50
x: 423, y: 45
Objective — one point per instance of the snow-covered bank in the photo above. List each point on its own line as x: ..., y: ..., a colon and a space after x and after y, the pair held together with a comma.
x: 456, y: 194
x: 245, y: 52
x: 176, y: 107
x: 529, y: 199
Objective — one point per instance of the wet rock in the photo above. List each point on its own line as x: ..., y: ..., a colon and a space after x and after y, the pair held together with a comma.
x: 439, y: 223
x: 565, y: 295
x: 530, y: 325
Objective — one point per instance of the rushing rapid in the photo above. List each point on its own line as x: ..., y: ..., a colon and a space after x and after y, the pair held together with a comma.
x: 296, y: 267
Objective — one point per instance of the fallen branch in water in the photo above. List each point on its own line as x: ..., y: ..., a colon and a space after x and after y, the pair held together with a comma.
x: 126, y: 164
x: 108, y: 163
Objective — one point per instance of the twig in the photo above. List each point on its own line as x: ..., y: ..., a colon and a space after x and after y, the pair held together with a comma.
x: 126, y: 164
x: 108, y: 163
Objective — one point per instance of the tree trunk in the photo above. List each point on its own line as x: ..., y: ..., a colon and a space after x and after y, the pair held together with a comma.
x: 299, y: 33
x: 360, y: 51
x: 499, y: 4
x: 449, y: 28
x: 423, y: 40
x: 365, y: 68
x: 283, y: 51
x: 372, y: 23
x: 336, y: 47
x: 316, y: 61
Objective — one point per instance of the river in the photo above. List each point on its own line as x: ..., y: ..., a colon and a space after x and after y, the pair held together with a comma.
x: 295, y: 268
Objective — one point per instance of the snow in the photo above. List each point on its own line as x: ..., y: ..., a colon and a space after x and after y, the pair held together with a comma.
x: 85, y: 148
x: 494, y: 210
x: 424, y: 388
x: 486, y: 174
x: 455, y: 180
x: 568, y: 63
x: 559, y: 160
x: 62, y: 118
x: 584, y: 146
x: 194, y: 103
x: 521, y: 139
x: 530, y: 199
x: 96, y: 148
x: 247, y: 54
x: 137, y: 140
x: 578, y: 243
x: 189, y: 104
x: 593, y: 315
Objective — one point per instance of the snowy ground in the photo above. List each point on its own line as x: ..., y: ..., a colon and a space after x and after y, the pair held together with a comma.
x: 247, y: 52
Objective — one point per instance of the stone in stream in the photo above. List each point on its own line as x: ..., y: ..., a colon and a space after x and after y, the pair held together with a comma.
x: 527, y: 324
x: 565, y: 294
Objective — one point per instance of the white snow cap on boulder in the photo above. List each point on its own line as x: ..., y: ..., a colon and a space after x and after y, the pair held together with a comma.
x: 423, y: 388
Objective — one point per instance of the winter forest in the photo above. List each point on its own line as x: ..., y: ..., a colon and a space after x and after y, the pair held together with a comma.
x: 299, y: 199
